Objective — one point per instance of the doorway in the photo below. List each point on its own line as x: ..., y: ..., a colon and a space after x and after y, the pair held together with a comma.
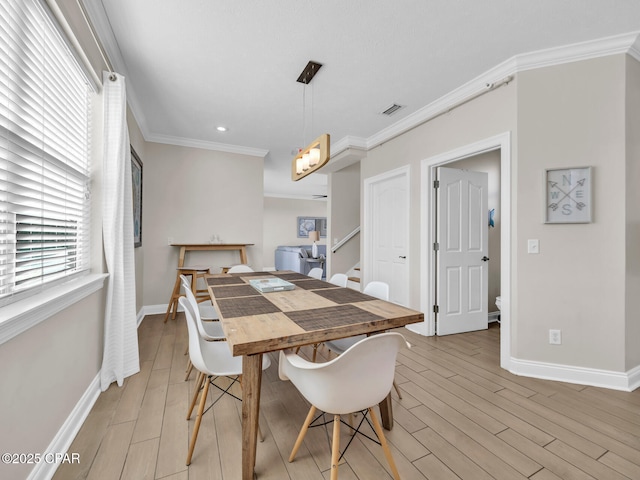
x: 386, y: 232
x: 461, y: 276
x: 502, y: 144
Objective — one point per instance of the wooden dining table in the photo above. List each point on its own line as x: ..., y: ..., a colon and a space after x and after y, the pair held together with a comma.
x: 314, y: 311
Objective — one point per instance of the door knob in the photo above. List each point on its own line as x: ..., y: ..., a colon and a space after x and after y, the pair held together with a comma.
x: 485, y: 259
x: 402, y: 256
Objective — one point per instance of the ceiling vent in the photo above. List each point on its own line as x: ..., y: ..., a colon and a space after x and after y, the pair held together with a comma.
x: 392, y: 109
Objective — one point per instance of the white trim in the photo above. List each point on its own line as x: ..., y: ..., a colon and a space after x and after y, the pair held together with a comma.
x: 205, y: 145
x: 348, y: 142
x: 500, y: 142
x: 67, y: 433
x: 24, y: 314
x: 583, y: 376
x: 365, y: 232
x: 628, y: 43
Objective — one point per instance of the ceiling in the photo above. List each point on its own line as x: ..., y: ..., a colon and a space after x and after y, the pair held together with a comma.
x: 194, y: 65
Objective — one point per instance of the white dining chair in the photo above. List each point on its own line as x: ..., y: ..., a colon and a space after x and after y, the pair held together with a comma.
x: 339, y: 279
x: 240, y: 269
x: 316, y: 272
x: 210, y: 325
x: 211, y: 360
x: 206, y: 308
x: 345, y: 385
x: 375, y: 289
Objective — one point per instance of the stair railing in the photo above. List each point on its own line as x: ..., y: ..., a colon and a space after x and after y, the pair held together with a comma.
x: 348, y: 237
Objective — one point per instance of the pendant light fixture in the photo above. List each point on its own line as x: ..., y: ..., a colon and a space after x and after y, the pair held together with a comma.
x: 316, y: 154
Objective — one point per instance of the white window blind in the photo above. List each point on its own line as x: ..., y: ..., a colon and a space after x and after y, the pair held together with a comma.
x: 44, y: 152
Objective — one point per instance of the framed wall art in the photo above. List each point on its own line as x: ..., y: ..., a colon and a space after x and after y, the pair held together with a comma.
x: 310, y: 224
x: 136, y: 186
x: 568, y: 195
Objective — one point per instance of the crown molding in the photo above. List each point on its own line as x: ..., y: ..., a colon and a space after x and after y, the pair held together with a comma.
x: 221, y: 147
x: 628, y: 43
x: 100, y: 22
x: 576, y: 52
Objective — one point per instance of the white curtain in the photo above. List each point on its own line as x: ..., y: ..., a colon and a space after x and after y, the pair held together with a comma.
x: 120, y: 358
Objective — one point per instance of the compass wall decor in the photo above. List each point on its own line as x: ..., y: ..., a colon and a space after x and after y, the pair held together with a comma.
x: 568, y: 195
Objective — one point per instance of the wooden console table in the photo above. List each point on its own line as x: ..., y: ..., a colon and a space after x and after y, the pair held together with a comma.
x: 191, y: 247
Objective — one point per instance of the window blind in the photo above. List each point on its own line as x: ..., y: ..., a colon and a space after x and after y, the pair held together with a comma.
x: 44, y: 154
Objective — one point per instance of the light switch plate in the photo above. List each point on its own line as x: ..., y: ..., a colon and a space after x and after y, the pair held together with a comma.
x: 533, y: 246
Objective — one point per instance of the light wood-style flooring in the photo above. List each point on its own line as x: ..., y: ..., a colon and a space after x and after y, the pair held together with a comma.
x: 461, y: 416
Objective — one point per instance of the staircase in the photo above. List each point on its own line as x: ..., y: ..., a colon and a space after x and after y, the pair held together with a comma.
x: 354, y: 278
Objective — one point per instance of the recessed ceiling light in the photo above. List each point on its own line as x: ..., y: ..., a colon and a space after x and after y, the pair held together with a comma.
x: 221, y: 129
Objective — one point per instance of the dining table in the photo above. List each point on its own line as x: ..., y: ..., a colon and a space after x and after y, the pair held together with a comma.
x: 309, y: 311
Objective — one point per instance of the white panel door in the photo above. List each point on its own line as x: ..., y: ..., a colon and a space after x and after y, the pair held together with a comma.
x: 389, y: 229
x: 462, y: 269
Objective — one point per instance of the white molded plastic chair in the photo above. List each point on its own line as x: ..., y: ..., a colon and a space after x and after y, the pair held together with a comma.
x: 344, y: 385
x: 240, y: 269
x: 209, y: 330
x: 206, y: 308
x: 316, y: 272
x: 375, y: 289
x: 339, y: 279
x: 212, y: 360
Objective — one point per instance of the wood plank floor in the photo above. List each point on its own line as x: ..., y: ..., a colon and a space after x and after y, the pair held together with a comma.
x: 461, y: 416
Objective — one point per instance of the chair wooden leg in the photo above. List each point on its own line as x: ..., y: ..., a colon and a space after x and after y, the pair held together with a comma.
x: 335, y: 447
x: 383, y: 442
x: 303, y: 432
x: 395, y: 385
x: 198, y: 385
x: 196, y: 427
x: 315, y: 352
x: 188, y: 372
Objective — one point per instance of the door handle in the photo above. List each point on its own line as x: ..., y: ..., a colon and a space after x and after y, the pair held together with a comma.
x: 485, y: 259
x: 402, y: 256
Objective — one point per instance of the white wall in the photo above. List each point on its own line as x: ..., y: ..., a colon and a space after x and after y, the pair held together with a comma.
x: 280, y: 223
x: 189, y: 195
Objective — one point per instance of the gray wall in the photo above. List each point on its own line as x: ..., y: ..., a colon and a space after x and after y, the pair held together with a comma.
x: 571, y: 115
x: 632, y: 175
x: 46, y: 370
x: 585, y: 279
x: 344, y: 208
x: 280, y: 218
x: 189, y: 195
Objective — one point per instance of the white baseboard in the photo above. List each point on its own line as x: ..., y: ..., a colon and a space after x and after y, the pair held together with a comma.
x: 625, y: 381
x: 62, y: 441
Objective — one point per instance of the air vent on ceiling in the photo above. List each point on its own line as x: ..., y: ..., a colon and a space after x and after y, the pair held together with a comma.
x: 392, y: 109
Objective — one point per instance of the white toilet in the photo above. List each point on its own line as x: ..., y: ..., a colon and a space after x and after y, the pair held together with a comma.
x: 499, y: 305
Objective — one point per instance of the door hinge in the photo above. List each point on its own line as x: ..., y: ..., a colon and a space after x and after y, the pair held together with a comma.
x: 436, y: 246
x: 436, y: 184
x: 436, y: 309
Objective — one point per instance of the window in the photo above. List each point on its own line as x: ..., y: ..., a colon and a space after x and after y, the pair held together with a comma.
x: 44, y: 154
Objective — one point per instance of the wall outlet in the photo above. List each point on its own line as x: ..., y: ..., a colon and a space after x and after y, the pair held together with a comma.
x: 555, y: 337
